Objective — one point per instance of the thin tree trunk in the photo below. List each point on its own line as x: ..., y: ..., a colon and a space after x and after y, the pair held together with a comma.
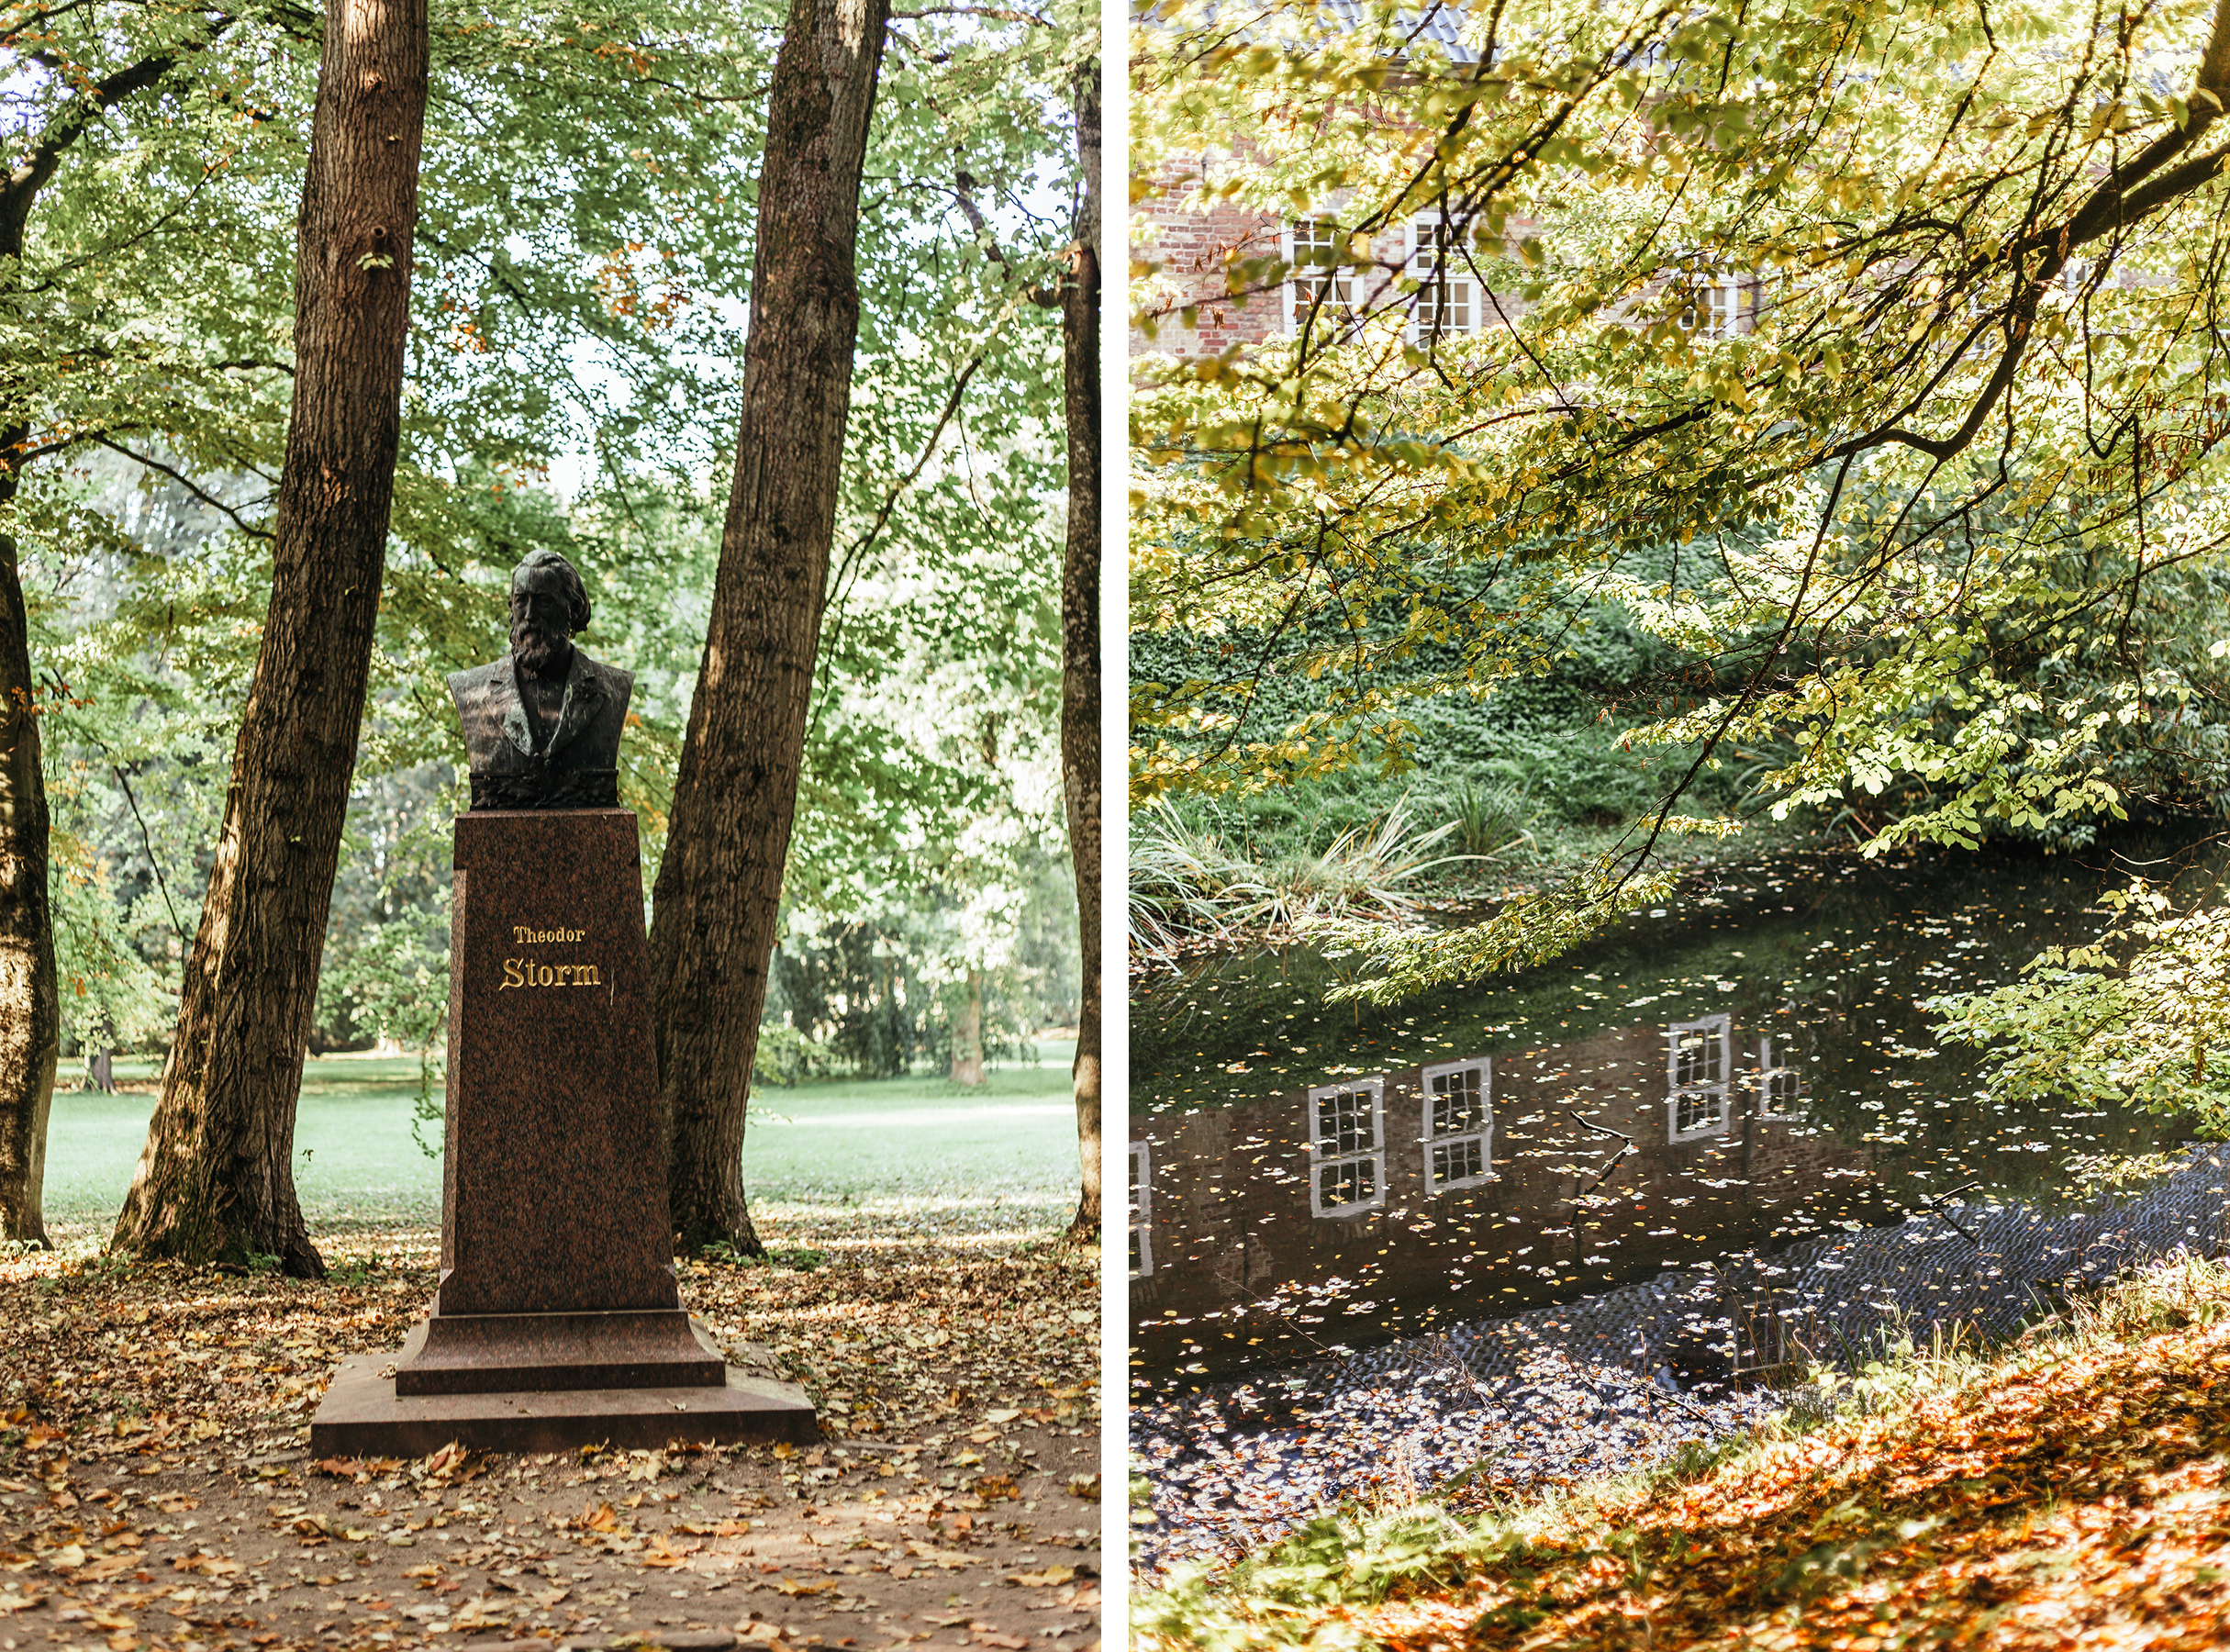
x: 1080, y: 633
x: 216, y: 1179
x: 30, y: 1003
x: 720, y: 885
x: 968, y: 1032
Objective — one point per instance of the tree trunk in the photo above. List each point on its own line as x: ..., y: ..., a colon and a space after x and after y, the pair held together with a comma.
x: 968, y: 1033
x: 216, y: 1179
x: 30, y: 1005
x: 720, y: 885
x: 1080, y: 633
x: 30, y: 1002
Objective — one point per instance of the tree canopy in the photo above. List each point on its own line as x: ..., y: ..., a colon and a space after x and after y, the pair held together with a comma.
x: 583, y: 265
x: 1870, y: 357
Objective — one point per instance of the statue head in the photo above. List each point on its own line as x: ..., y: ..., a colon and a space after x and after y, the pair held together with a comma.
x: 548, y: 606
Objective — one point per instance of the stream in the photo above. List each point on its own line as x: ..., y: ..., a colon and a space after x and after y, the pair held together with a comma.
x: 1713, y: 1083
x: 1558, y: 1222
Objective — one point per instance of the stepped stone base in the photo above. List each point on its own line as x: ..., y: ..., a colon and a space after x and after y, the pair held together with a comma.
x: 363, y: 1415
x: 541, y: 1353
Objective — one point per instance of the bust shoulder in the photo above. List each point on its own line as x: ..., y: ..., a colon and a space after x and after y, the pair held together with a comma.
x: 476, y: 678
x: 615, y: 678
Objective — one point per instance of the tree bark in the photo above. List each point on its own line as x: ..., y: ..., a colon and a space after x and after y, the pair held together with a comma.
x: 968, y: 1032
x: 715, y: 903
x: 1080, y: 634
x: 216, y: 1179
x: 31, y: 1005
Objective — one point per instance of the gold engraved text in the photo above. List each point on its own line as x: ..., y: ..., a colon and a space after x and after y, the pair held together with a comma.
x: 535, y: 937
x: 526, y: 972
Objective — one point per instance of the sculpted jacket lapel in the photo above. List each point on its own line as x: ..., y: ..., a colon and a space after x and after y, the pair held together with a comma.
x: 515, y: 727
x: 583, y: 695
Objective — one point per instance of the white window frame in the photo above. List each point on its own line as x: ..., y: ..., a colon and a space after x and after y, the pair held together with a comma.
x: 1141, y: 1207
x: 1679, y: 1094
x: 1320, y: 1161
x: 1767, y: 1071
x: 1452, y: 269
x: 1723, y: 302
x: 1302, y: 283
x: 1483, y: 1134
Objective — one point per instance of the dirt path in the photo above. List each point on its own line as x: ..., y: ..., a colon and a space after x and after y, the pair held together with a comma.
x: 155, y: 1491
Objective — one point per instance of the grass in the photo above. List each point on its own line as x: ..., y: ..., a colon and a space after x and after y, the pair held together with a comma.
x: 1188, y: 883
x: 2069, y: 1488
x: 902, y: 1145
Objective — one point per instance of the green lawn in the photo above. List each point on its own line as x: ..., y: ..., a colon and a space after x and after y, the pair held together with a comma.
x: 903, y: 1144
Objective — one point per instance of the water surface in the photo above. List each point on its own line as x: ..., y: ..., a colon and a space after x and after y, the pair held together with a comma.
x: 1743, y: 1070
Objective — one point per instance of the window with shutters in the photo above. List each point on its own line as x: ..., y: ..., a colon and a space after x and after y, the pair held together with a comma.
x: 1458, y: 1124
x: 1348, y: 1147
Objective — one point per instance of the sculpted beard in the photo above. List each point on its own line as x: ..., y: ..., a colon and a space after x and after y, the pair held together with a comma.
x: 534, y: 648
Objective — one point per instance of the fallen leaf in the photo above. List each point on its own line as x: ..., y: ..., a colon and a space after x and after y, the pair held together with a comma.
x: 936, y: 1557
x: 1051, y: 1577
x: 453, y: 1463
x: 658, y: 1554
x: 480, y: 1612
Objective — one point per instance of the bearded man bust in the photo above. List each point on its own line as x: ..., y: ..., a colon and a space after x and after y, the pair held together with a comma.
x: 542, y: 724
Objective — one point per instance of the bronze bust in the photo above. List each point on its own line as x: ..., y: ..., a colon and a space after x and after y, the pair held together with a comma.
x: 542, y: 725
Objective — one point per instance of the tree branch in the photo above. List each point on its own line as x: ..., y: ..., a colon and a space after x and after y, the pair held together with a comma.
x: 964, y: 188
x: 187, y: 482
x: 67, y: 125
x: 997, y: 14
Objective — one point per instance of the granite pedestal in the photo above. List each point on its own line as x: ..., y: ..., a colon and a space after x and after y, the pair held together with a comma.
x: 557, y: 1322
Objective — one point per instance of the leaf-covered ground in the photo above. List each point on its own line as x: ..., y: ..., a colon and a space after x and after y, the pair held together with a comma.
x: 156, y: 1490
x: 2070, y: 1491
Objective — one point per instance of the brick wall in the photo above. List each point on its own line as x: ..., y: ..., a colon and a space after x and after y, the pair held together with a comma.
x: 1194, y: 248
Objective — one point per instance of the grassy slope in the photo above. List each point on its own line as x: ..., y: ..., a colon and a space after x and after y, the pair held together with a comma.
x: 899, y: 1143
x: 2068, y: 1489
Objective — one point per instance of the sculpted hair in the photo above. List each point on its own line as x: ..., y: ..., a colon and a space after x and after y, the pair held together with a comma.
x: 576, y: 594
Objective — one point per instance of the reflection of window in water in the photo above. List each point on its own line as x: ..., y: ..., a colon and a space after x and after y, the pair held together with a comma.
x: 1698, y: 1055
x: 1780, y: 1086
x: 1142, y: 1209
x: 1348, y: 1147
x: 1459, y: 1124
